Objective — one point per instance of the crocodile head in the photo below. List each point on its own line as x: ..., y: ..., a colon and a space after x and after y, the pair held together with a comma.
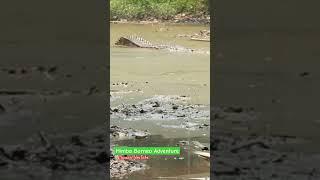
x: 126, y: 42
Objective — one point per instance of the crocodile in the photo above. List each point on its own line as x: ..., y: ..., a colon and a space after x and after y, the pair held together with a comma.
x: 139, y: 42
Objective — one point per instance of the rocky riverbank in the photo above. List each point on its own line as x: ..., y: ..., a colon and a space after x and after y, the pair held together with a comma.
x: 178, y: 19
x: 121, y: 168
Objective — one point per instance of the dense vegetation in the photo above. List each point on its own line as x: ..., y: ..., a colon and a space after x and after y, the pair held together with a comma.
x: 158, y: 9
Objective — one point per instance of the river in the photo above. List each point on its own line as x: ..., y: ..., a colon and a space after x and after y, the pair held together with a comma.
x: 147, y: 73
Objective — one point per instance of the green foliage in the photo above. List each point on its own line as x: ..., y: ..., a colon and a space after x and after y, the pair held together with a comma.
x: 161, y: 9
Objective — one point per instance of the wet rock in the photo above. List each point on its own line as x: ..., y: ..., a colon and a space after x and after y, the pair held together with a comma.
x: 115, y: 110
x: 123, y: 133
x: 161, y: 107
x: 120, y: 168
x: 156, y: 104
x: 175, y: 107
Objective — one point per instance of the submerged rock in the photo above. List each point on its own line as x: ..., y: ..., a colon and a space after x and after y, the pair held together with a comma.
x: 122, y: 133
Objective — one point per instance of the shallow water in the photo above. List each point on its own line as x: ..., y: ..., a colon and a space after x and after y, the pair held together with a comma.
x: 157, y: 72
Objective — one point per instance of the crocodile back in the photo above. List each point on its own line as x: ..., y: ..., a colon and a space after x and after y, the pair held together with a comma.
x: 135, y: 41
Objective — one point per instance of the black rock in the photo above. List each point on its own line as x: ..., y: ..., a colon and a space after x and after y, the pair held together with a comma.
x: 175, y: 107
x: 156, y: 104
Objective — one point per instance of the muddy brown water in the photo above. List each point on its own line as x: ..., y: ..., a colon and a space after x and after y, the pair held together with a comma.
x: 166, y: 73
x: 147, y: 73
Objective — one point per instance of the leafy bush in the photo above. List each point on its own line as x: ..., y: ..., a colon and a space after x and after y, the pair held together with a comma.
x: 161, y: 9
